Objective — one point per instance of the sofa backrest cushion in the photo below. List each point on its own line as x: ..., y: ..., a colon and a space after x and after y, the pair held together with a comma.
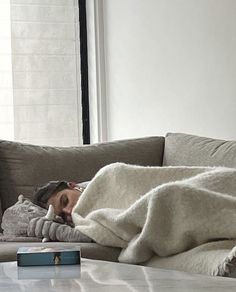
x: 23, y: 167
x: 191, y: 150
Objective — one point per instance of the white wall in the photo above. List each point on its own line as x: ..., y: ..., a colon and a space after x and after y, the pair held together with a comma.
x: 170, y: 67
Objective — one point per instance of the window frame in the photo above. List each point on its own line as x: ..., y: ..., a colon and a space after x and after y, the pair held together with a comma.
x: 84, y: 71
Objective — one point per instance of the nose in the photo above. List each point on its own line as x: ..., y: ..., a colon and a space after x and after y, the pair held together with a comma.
x: 67, y: 210
x: 67, y: 214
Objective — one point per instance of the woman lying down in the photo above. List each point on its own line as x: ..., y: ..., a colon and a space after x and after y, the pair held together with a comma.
x: 143, y: 210
x: 59, y: 197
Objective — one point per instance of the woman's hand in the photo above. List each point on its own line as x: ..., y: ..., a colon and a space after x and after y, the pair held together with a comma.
x: 42, y: 227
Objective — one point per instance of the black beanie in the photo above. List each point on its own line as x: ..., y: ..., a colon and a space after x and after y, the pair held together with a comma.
x: 43, y: 193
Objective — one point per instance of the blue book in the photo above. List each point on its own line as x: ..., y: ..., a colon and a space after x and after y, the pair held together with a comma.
x: 48, y: 256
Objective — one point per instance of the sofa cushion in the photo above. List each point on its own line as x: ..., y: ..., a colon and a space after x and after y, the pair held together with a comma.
x: 191, y: 150
x: 24, y: 167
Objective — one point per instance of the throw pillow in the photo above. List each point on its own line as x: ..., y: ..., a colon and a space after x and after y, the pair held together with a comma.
x: 16, y: 218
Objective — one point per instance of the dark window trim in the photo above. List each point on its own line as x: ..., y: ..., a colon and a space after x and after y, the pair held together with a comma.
x: 84, y: 71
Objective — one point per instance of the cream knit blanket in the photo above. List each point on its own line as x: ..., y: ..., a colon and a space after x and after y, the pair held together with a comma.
x: 159, y: 211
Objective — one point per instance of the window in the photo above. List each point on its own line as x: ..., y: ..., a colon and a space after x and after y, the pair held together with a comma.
x: 40, y: 100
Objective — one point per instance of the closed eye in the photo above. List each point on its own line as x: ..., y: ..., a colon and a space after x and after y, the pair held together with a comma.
x: 63, y: 200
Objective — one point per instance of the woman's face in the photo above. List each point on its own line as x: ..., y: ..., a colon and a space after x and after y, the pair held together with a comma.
x: 63, y: 203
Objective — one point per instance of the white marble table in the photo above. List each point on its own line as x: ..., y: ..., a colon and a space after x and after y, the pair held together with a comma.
x: 106, y: 276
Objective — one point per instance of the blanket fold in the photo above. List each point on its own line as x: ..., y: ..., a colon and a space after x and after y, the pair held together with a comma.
x: 159, y: 211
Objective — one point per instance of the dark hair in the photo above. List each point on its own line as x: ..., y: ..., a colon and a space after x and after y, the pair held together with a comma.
x: 43, y: 193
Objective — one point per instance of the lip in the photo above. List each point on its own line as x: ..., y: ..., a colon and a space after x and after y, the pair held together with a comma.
x: 68, y: 219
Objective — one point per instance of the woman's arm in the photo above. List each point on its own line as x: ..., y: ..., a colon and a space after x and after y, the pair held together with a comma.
x: 42, y: 227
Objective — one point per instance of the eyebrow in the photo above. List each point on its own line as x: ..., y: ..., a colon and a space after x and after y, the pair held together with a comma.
x: 61, y: 200
x: 57, y: 205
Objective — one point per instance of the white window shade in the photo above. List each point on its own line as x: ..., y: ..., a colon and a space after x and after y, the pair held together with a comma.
x: 45, y: 72
x: 6, y: 89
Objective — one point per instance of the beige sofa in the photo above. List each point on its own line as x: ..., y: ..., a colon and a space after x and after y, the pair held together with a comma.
x: 24, y: 166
